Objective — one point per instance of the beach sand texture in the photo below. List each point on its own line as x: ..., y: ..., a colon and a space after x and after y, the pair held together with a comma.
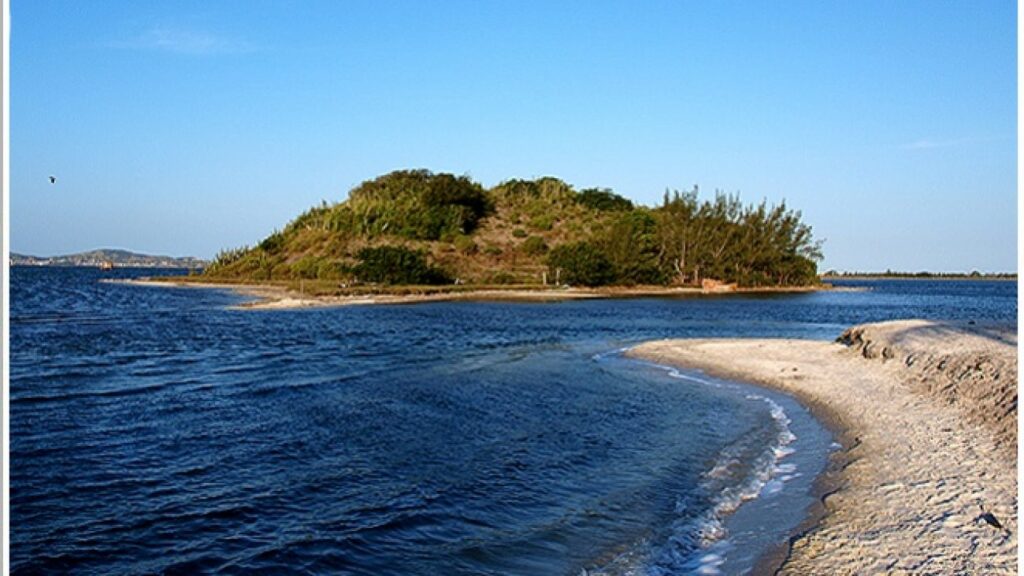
x: 927, y: 414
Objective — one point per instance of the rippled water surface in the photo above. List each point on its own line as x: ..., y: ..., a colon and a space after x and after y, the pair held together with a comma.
x: 153, y: 430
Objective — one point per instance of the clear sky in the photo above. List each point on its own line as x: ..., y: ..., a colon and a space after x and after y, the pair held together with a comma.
x: 185, y: 127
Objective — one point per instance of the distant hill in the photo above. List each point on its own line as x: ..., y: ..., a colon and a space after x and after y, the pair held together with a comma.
x: 118, y: 258
x: 418, y: 227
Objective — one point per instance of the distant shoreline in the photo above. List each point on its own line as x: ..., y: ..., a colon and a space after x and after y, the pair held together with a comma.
x: 824, y: 278
x: 926, y: 414
x: 107, y: 258
x: 964, y: 277
x: 286, y: 296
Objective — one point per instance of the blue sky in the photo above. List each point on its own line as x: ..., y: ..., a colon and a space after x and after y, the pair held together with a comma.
x: 186, y: 127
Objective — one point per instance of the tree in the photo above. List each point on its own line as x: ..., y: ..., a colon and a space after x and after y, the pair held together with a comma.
x: 755, y: 245
x: 677, y: 232
x: 580, y: 263
x: 630, y: 242
x: 396, y: 265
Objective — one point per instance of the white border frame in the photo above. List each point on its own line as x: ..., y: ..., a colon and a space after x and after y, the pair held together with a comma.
x: 5, y: 432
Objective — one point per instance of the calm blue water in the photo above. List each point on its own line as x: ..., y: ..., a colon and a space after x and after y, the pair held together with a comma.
x: 155, y: 431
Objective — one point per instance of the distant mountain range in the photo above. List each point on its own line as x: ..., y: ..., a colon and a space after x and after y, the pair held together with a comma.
x: 108, y: 258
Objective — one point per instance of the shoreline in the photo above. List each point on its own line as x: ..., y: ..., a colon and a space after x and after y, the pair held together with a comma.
x: 828, y: 482
x: 916, y: 469
x: 281, y: 297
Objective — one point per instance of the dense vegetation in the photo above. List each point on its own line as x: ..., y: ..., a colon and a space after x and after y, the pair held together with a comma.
x: 397, y: 265
x: 417, y: 227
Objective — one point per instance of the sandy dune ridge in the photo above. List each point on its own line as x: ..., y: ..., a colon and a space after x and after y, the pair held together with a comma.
x: 927, y: 414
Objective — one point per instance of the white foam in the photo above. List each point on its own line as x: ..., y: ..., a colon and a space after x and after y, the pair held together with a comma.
x: 773, y: 486
x: 672, y: 372
x: 709, y: 564
x: 785, y: 468
x: 602, y: 355
x: 783, y: 451
x: 766, y: 477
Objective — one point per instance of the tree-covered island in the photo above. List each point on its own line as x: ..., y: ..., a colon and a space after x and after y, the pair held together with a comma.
x: 415, y: 227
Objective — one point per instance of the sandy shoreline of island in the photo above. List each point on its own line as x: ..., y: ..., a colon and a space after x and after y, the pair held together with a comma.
x: 277, y: 297
x: 926, y: 413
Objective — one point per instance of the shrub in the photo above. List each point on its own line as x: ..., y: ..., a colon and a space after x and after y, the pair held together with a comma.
x: 581, y: 263
x: 417, y: 204
x: 465, y: 244
x: 519, y: 233
x: 502, y: 278
x: 226, y: 258
x: 397, y: 265
x: 534, y: 246
x: 330, y: 270
x: 273, y: 243
x: 543, y: 222
x: 313, y: 267
x: 258, y: 265
x: 603, y: 199
x: 307, y: 267
x: 545, y: 191
x: 312, y: 219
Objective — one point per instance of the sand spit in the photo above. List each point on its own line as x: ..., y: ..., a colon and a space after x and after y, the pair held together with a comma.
x: 270, y: 297
x: 928, y: 416
x: 275, y: 297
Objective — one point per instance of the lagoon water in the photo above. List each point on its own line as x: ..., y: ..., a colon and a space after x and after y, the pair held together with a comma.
x: 154, y: 430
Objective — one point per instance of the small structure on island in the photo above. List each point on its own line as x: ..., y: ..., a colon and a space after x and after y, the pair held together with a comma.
x: 106, y: 265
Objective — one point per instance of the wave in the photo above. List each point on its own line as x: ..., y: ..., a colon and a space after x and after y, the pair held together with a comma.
x: 765, y: 475
x: 750, y: 467
x: 732, y: 481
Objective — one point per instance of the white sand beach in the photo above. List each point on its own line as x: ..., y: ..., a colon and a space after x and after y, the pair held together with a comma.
x: 279, y: 297
x: 927, y: 415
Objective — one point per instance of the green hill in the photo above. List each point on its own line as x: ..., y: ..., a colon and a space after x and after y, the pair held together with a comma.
x: 417, y: 227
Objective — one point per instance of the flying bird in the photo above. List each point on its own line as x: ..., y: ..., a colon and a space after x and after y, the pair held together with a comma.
x: 53, y: 179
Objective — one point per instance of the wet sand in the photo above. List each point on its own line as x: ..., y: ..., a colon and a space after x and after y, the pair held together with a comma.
x: 927, y: 415
x: 276, y: 297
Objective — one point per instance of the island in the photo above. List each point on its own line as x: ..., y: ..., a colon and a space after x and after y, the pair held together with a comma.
x: 414, y: 235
